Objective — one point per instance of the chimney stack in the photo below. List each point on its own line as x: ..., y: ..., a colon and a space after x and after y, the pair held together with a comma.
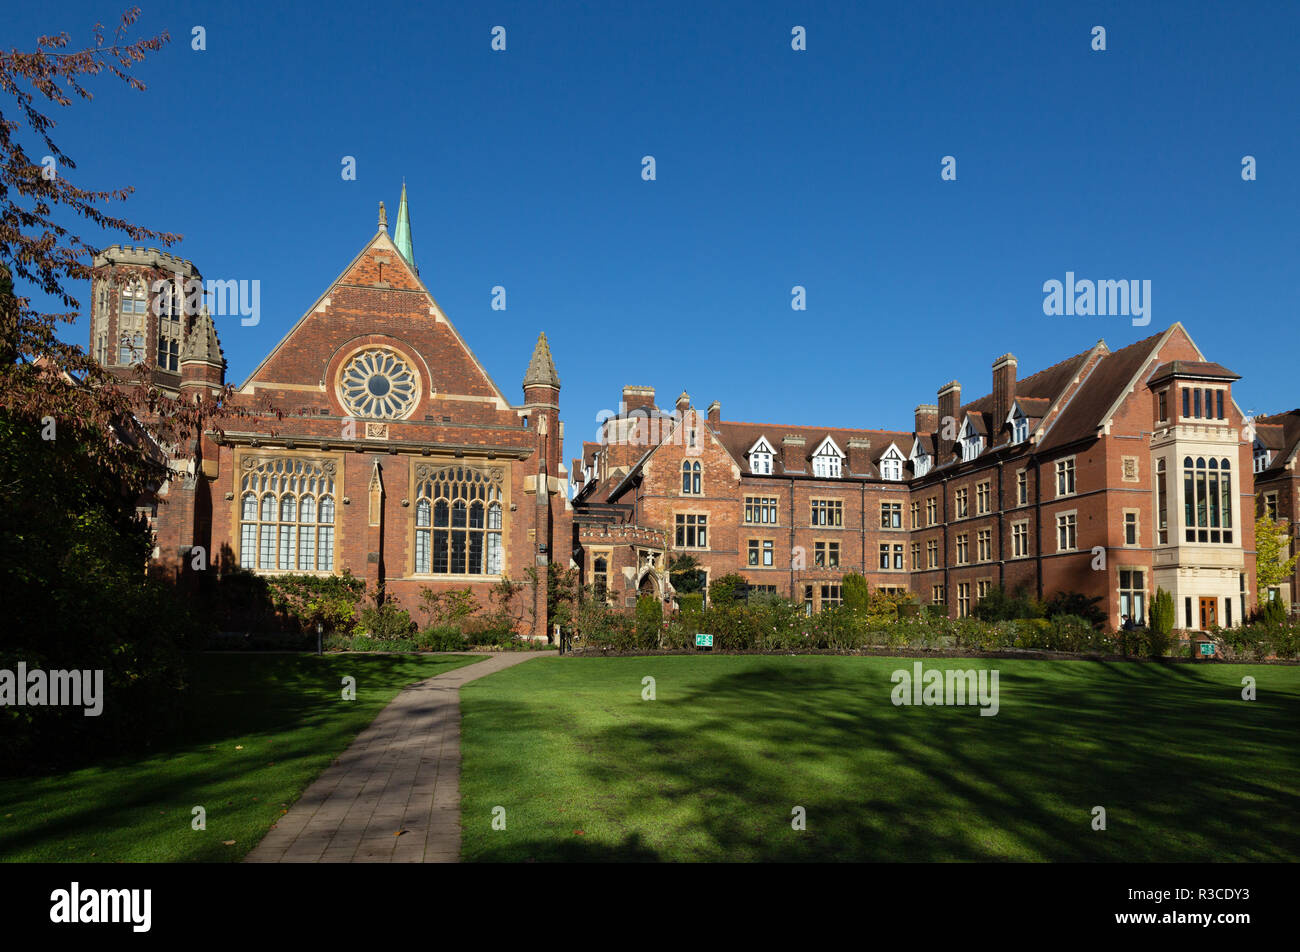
x: 859, y: 457
x: 715, y: 412
x: 634, y: 398
x: 927, y: 418
x: 949, y: 401
x: 792, y: 454
x: 1004, y: 393
x: 683, y: 404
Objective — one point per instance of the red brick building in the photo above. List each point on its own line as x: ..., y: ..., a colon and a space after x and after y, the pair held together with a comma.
x: 1277, y: 487
x: 1110, y: 474
x: 369, y: 439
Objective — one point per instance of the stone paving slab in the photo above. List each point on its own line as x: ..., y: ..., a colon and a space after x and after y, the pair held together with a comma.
x: 401, y: 773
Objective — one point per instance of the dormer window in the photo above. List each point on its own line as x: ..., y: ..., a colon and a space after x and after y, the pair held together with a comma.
x: 891, y: 465
x: 828, y: 460
x: 1019, y: 427
x: 972, y: 444
x: 921, y: 460
x: 760, y: 458
x: 1262, y: 457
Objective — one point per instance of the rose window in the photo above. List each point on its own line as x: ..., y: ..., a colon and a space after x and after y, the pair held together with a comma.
x: 378, y: 383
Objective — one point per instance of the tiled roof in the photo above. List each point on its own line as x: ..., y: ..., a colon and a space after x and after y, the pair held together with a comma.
x: 1280, y: 432
x: 1193, y: 368
x: 1098, y: 393
x: 738, y: 437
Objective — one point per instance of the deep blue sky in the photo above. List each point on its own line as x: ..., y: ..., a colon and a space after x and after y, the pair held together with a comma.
x: 775, y: 168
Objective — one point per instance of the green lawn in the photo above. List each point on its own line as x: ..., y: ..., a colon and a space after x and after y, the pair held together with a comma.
x: 260, y: 729
x: 712, y: 768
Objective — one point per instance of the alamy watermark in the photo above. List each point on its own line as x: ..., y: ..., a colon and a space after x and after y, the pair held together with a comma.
x: 952, y: 687
x: 1105, y: 298
x: 229, y: 298
x: 37, y: 688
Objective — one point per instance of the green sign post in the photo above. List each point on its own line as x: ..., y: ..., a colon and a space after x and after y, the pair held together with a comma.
x: 1207, y: 649
x: 704, y: 641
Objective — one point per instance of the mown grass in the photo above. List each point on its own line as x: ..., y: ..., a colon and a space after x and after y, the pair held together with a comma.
x: 714, y: 766
x: 258, y: 730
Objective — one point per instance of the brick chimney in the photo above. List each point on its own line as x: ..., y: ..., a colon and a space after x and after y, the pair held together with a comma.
x: 683, y: 404
x: 634, y: 398
x: 792, y: 454
x: 949, y: 401
x: 1004, y: 393
x: 715, y: 412
x: 859, y: 457
x: 927, y: 418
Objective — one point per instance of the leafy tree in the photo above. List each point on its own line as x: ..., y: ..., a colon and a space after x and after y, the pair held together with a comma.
x: 42, y: 377
x: 1271, y: 569
x: 685, y: 575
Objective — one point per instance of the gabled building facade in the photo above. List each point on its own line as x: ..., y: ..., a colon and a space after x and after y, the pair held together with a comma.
x: 369, y: 439
x: 1276, y: 452
x: 1110, y: 474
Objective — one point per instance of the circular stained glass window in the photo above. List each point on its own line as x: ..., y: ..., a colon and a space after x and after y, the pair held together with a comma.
x: 378, y: 383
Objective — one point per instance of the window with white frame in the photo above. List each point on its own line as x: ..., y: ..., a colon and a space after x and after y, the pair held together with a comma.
x: 1207, y: 499
x: 287, y: 514
x: 828, y: 460
x: 760, y: 458
x: 891, y: 465
x: 1067, y: 538
x: 1019, y: 539
x: 972, y: 444
x: 1065, y: 477
x: 920, y: 463
x: 1263, y: 457
x: 1019, y: 427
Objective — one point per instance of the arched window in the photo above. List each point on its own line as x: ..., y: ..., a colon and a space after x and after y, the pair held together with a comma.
x: 1207, y: 499
x: 691, y: 477
x: 458, y: 522
x: 287, y: 515
x: 600, y: 577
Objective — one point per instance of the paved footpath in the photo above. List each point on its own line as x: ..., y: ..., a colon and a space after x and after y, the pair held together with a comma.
x: 401, y: 773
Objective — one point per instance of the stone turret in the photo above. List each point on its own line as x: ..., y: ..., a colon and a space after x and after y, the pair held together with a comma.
x: 203, y: 365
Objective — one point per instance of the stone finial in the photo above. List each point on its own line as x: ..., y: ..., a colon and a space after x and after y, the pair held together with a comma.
x: 383, y: 218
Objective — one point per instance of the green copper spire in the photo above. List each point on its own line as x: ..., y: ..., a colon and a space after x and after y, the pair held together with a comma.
x: 402, y: 235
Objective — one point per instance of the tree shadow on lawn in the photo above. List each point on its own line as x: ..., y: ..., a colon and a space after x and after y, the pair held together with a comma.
x: 1186, y: 770
x: 255, y: 701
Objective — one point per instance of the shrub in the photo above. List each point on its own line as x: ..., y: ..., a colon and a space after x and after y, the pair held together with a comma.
x: 442, y: 638
x: 997, y: 605
x: 385, y: 622
x: 449, y: 607
x: 1083, y: 606
x: 330, y: 600
x: 1162, y: 614
x: 690, y: 603
x: 855, y: 592
x: 1272, y: 613
x: 649, y: 621
x: 726, y: 589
